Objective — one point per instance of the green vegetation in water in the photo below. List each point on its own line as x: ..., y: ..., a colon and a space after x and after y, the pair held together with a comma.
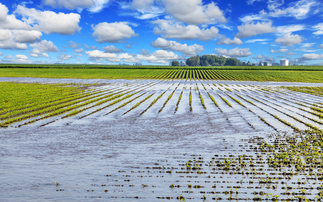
x: 190, y: 100
x: 22, y: 95
x: 282, y: 167
x: 310, y: 90
x: 226, y: 101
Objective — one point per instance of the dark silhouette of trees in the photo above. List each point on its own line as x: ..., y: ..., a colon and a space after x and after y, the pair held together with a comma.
x: 175, y: 63
x: 213, y: 60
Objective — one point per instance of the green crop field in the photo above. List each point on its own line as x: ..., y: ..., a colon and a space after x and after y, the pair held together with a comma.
x: 199, y: 73
x: 80, y: 73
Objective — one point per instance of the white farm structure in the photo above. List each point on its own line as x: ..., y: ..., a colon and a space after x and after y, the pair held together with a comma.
x: 284, y: 62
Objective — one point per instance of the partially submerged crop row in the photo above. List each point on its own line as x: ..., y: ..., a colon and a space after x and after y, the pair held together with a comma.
x: 154, y: 101
x: 289, y: 115
x: 201, y: 97
x: 190, y: 99
x: 178, y: 101
x: 294, y: 111
x: 66, y: 105
x: 275, y: 116
x: 168, y: 98
x: 124, y: 104
x: 136, y: 105
x: 226, y: 101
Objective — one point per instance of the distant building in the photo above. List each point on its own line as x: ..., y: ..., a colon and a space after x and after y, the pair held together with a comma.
x: 138, y: 64
x: 284, y: 62
x: 275, y: 64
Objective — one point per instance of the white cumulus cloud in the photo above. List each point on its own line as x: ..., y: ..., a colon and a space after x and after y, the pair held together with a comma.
x: 253, y: 29
x: 112, y: 49
x: 299, y: 9
x: 79, y: 50
x: 283, y: 50
x: 3, y: 12
x: 111, y: 57
x: 143, y: 4
x: 10, y: 44
x: 159, y: 56
x: 25, y: 36
x: 22, y: 57
x: 194, y: 12
x: 311, y: 56
x: 169, y: 29
x: 64, y: 57
x: 74, y: 45
x: 259, y: 56
x: 318, y: 28
x: 290, y: 28
x: 45, y: 55
x: 112, y: 32
x: 164, y: 44
x: 236, y: 52
x: 45, y: 46
x: 100, y: 54
x: 257, y: 40
x: 223, y: 40
x: 250, y: 2
x: 91, y: 5
x: 289, y: 39
x: 5, y: 34
x: 69, y: 4
x: 49, y: 21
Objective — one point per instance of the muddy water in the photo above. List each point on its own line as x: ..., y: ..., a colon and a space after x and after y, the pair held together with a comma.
x: 129, y: 157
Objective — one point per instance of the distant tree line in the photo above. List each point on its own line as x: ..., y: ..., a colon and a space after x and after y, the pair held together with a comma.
x: 213, y: 60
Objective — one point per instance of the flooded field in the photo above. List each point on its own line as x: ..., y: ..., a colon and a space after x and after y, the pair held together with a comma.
x: 164, y: 140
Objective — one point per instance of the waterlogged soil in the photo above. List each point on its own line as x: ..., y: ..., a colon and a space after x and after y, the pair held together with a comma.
x: 182, y: 152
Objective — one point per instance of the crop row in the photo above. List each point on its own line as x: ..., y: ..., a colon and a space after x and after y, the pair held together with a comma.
x: 168, y: 98
x: 178, y: 101
x: 195, y: 75
x: 16, y: 96
x: 37, y: 107
x: 298, y: 102
x: 75, y: 112
x: 63, y: 106
x: 289, y: 115
x: 294, y: 111
x: 139, y: 103
x: 119, y: 100
x: 283, y: 121
x: 154, y: 101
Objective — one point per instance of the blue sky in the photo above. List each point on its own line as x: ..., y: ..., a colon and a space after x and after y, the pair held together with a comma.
x: 158, y: 31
